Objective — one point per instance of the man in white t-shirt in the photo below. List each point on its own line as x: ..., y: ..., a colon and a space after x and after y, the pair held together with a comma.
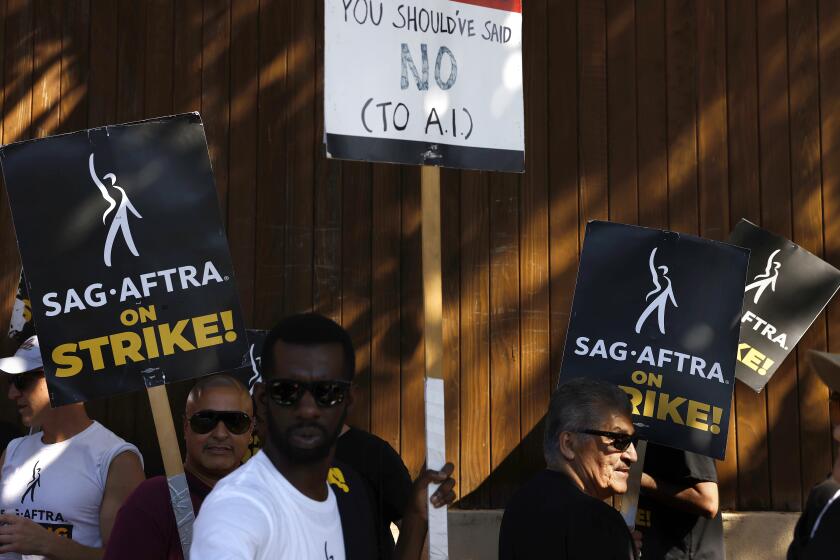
x: 278, y: 505
x: 61, y: 488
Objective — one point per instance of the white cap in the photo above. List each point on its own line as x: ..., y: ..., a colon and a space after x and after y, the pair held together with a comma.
x: 27, y: 358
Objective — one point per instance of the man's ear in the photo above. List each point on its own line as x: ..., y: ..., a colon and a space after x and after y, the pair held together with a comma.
x: 567, y: 445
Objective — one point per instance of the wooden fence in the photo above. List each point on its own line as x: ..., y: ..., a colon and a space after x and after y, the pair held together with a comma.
x: 679, y: 114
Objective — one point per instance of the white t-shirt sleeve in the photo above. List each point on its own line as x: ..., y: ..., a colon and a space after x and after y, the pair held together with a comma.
x: 230, y: 526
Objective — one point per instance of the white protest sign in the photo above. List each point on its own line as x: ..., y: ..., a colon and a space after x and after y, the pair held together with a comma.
x: 429, y: 82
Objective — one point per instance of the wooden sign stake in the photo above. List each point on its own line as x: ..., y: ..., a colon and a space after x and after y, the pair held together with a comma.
x: 179, y: 493
x: 630, y: 499
x: 433, y: 337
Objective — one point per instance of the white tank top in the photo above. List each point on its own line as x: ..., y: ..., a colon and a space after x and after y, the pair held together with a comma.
x: 60, y: 485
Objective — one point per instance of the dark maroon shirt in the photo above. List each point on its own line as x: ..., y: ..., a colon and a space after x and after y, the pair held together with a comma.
x: 145, y: 526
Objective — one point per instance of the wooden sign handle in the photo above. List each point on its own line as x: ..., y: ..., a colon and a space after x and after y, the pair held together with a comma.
x: 433, y: 338
x: 165, y: 428
x: 630, y: 499
x: 179, y: 491
x: 432, y: 282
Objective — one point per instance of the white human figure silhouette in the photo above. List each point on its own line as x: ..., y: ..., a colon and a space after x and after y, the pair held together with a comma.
x: 256, y: 377
x: 768, y: 278
x: 661, y: 300
x: 120, y: 219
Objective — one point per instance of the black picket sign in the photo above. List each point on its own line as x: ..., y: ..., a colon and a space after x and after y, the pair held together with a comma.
x: 656, y: 313
x: 787, y: 287
x: 126, y: 260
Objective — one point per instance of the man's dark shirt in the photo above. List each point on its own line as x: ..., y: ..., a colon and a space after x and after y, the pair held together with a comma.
x: 145, y: 525
x: 387, y: 478
x: 672, y: 534
x: 550, y: 517
x: 354, y: 508
x: 826, y: 540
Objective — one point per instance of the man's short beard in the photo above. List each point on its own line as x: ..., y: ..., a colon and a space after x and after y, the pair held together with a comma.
x: 311, y: 455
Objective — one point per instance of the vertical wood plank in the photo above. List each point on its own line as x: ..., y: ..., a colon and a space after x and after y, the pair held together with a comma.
x: 563, y: 149
x: 271, y: 186
x: 159, y: 60
x: 713, y: 162
x: 774, y: 142
x: 652, y: 106
x: 131, y: 63
x: 187, y: 55
x: 18, y: 68
x: 681, y: 76
x: 744, y: 199
x: 803, y: 76
x: 412, y: 373
x: 215, y: 88
x: 46, y: 74
x: 505, y: 352
x: 592, y: 66
x: 475, y: 340
x: 327, y: 226
x: 356, y: 241
x: 242, y: 202
x: 533, y: 240
x: 75, y: 65
x: 742, y: 111
x: 621, y: 112
x: 385, y: 305
x: 300, y: 166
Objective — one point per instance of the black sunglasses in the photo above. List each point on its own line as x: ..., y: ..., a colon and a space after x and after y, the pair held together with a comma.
x: 618, y: 440
x: 287, y: 392
x: 205, y: 421
x: 24, y: 381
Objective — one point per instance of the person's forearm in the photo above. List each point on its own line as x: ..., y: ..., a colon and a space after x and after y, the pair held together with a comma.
x: 62, y: 548
x: 687, y: 499
x: 412, y: 538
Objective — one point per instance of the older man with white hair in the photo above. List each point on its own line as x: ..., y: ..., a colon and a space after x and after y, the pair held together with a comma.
x: 589, y: 448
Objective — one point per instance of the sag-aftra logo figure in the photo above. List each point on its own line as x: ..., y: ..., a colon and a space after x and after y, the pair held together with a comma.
x: 659, y: 274
x: 767, y: 278
x: 120, y: 220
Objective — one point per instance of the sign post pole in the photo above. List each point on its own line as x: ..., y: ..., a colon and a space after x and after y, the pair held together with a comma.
x: 398, y: 111
x: 630, y: 499
x: 433, y: 337
x: 179, y: 493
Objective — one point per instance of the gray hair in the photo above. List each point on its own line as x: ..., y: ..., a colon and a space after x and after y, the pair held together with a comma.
x: 578, y: 405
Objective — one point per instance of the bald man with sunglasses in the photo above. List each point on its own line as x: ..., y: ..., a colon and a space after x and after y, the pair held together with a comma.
x: 218, y: 421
